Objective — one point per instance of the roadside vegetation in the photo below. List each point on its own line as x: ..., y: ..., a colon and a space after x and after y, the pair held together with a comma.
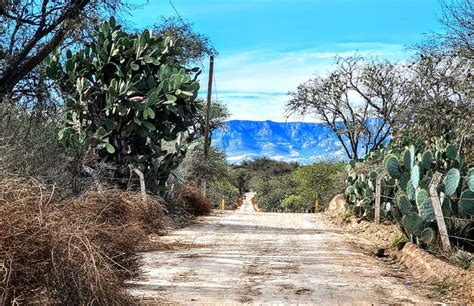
x: 101, y: 140
x: 101, y: 144
x: 412, y: 121
x: 290, y: 187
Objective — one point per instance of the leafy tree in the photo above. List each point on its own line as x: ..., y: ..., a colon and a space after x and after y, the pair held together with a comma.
x: 218, y: 116
x: 294, y: 203
x: 356, y: 100
x: 321, y: 180
x: 125, y: 95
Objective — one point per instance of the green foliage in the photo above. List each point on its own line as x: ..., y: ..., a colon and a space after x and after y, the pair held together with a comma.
x: 289, y: 187
x: 321, y: 179
x: 294, y: 203
x: 125, y: 95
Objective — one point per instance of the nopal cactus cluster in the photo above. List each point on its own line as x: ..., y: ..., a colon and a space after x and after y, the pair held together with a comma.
x: 125, y: 95
x: 410, y: 170
x: 361, y: 191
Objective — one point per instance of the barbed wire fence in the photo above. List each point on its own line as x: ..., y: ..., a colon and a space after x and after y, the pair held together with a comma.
x: 444, y: 223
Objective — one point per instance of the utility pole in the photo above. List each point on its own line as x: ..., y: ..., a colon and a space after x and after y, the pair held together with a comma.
x: 208, y: 108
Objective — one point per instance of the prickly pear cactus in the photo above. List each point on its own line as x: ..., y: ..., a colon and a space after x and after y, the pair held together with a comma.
x: 413, y: 224
x: 423, y: 203
x: 404, y: 204
x: 428, y: 235
x: 415, y: 176
x: 426, y: 160
x: 451, y: 181
x: 451, y: 152
x: 470, y: 179
x: 466, y: 203
x: 392, y: 166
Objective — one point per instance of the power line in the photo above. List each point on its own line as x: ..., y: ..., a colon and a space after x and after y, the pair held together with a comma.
x: 177, y: 13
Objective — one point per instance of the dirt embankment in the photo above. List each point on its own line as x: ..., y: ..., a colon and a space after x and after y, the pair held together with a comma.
x: 438, y: 279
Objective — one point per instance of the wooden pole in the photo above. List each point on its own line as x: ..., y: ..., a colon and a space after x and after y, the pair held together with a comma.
x: 378, y: 195
x: 438, y: 211
x: 142, y: 182
x: 208, y: 108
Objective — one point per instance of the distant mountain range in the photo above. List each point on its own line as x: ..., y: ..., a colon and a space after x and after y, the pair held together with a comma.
x: 286, y: 141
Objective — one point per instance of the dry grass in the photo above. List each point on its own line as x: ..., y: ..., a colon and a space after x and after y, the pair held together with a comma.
x: 78, y: 251
x: 194, y: 201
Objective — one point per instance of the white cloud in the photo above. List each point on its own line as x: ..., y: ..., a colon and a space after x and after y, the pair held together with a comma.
x: 254, y: 84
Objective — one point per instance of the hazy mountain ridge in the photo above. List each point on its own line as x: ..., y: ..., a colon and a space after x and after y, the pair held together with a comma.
x: 289, y: 141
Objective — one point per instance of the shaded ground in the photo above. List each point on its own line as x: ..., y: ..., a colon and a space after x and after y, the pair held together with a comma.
x: 250, y: 257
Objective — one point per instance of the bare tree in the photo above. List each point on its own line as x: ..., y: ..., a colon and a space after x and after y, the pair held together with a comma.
x: 440, y: 81
x: 33, y: 29
x: 194, y: 46
x: 356, y: 101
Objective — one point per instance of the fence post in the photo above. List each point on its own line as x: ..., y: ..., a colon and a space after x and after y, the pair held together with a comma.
x: 438, y: 211
x: 142, y: 182
x: 316, y: 203
x: 378, y: 195
x: 223, y: 203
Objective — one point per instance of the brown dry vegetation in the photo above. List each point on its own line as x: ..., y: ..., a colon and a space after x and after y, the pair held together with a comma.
x: 194, y: 201
x: 76, y: 251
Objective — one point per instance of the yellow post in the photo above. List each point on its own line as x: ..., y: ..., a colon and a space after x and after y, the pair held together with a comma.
x: 223, y: 203
x: 316, y: 204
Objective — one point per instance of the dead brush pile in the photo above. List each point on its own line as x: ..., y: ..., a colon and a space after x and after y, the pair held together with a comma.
x: 194, y: 201
x: 78, y: 251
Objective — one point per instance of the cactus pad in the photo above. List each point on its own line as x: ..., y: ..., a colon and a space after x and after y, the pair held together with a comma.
x: 451, y: 181
x: 466, y: 203
x: 411, y: 191
x: 423, y: 203
x: 349, y: 190
x: 415, y: 176
x: 451, y: 152
x: 428, y: 236
x: 407, y: 159
x: 392, y: 166
x: 404, y: 204
x: 413, y: 224
x: 446, y: 205
x: 470, y: 179
x: 427, y: 159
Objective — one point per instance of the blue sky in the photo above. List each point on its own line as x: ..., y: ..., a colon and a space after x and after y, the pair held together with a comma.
x: 267, y: 47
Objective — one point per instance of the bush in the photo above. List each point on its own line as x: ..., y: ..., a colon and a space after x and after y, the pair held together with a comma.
x: 294, y: 203
x: 323, y: 179
x: 194, y: 201
x: 79, y: 251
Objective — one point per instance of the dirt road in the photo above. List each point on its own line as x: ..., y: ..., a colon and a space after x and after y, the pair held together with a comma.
x: 251, y: 257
